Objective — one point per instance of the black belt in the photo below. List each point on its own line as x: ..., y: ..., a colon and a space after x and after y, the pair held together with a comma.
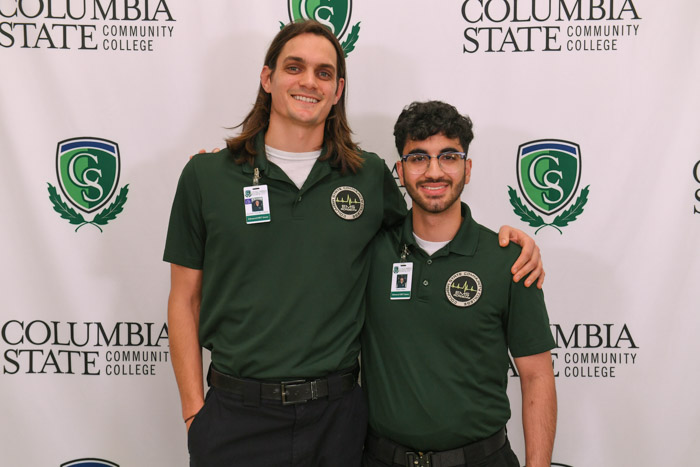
x: 288, y: 392
x: 391, y: 453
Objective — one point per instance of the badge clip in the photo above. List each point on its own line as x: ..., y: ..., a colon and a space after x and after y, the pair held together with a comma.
x: 404, y: 253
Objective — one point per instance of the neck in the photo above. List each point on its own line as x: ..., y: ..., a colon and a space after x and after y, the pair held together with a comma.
x: 294, y: 138
x: 437, y: 226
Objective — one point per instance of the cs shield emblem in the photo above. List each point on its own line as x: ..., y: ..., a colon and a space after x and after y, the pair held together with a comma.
x: 334, y: 14
x: 549, y: 172
x: 88, y: 172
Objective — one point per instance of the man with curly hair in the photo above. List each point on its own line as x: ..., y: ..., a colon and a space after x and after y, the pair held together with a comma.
x: 435, y: 355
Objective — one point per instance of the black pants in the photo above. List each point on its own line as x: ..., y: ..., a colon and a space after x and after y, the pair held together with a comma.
x: 504, y: 457
x: 319, y: 433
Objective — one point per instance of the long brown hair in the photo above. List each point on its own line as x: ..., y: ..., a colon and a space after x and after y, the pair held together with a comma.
x: 340, y: 148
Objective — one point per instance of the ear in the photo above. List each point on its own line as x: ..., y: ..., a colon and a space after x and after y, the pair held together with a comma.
x: 399, y: 171
x: 467, y: 170
x: 265, y: 78
x: 339, y: 91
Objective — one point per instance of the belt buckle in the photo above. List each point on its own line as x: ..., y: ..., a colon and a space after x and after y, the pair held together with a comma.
x: 283, y: 387
x: 419, y: 459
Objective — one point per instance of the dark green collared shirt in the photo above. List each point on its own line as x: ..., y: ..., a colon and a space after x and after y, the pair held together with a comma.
x: 435, y: 367
x: 282, y: 299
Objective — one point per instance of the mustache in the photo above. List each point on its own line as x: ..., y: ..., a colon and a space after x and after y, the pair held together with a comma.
x: 435, y: 180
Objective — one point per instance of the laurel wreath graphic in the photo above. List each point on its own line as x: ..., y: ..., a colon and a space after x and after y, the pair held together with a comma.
x: 63, y: 209
x: 102, y: 218
x: 534, y: 220
x: 349, y: 44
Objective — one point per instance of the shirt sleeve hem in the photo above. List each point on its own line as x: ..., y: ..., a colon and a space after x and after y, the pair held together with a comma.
x: 532, y: 350
x: 182, y: 261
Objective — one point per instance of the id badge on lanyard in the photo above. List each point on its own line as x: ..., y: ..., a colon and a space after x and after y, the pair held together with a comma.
x: 401, y: 278
x: 256, y: 201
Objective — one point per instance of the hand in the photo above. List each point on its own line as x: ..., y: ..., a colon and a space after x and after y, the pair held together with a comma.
x: 529, y: 261
x: 203, y: 151
x: 190, y: 419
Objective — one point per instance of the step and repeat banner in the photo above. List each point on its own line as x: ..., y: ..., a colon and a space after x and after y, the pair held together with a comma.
x: 600, y: 96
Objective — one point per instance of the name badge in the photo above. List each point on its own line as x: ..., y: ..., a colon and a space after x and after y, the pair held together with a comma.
x: 257, y: 204
x: 401, y: 276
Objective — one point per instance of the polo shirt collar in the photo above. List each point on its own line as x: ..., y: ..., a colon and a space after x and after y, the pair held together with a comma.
x: 464, y: 243
x: 260, y: 162
x: 319, y: 170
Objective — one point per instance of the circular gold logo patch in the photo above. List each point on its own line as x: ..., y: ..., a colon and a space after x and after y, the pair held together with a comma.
x: 463, y: 288
x: 347, y: 202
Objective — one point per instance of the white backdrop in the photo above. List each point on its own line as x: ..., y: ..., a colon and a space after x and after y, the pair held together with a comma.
x: 80, y: 306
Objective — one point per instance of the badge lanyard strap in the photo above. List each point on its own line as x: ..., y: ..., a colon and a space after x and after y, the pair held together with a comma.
x: 404, y: 253
x: 256, y: 176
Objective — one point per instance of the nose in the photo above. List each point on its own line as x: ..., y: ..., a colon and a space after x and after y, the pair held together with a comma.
x: 434, y: 170
x: 308, y: 79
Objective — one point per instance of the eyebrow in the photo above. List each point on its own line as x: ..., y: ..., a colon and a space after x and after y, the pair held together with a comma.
x: 292, y: 58
x: 423, y: 151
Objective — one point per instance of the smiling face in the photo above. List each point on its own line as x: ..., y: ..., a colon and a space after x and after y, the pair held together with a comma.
x: 434, y: 191
x: 304, y: 85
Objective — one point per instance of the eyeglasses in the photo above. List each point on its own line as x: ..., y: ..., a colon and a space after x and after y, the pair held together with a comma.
x: 418, y: 163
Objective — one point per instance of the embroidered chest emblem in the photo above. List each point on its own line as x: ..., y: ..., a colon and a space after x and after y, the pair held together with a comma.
x: 463, y: 289
x: 347, y: 202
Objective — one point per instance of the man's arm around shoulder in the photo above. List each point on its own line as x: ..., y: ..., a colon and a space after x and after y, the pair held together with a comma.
x: 539, y: 407
x: 183, y: 332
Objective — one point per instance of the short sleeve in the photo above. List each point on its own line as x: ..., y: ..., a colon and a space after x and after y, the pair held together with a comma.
x: 527, y: 323
x: 184, y: 244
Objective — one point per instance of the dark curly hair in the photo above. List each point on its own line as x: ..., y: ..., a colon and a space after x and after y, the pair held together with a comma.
x: 421, y: 120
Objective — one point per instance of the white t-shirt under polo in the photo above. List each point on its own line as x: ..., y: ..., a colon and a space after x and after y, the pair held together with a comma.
x: 297, y: 165
x: 429, y: 247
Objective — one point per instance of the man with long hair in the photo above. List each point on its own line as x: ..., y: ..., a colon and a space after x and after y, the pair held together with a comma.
x: 277, y: 294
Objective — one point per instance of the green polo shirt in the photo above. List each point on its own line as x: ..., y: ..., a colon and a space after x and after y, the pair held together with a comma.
x: 435, y: 372
x: 281, y: 299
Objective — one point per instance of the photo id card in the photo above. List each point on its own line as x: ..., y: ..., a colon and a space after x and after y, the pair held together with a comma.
x: 256, y: 203
x: 401, y: 275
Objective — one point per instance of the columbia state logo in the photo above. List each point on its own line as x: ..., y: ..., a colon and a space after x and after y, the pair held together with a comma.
x: 549, y: 173
x: 334, y: 14
x: 347, y: 202
x: 463, y: 288
x: 88, y: 175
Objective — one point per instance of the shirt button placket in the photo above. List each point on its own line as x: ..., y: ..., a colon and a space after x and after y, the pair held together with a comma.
x: 426, y: 278
x: 426, y: 282
x: 295, y: 206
